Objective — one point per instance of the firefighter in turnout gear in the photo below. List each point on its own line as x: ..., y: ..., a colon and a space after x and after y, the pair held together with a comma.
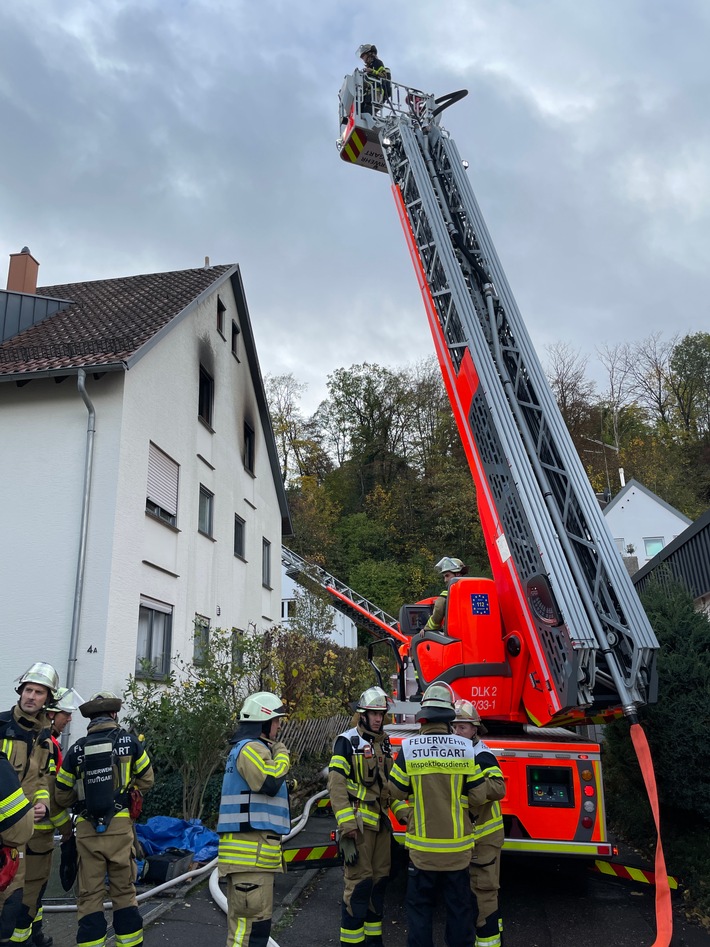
x: 357, y: 781
x: 40, y: 848
x: 450, y: 570
x: 16, y: 822
x: 25, y: 742
x: 437, y: 771
x: 487, y: 830
x: 378, y: 88
x: 95, y: 779
x: 253, y: 817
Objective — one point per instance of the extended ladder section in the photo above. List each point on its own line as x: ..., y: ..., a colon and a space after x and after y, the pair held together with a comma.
x: 361, y: 611
x: 561, y: 582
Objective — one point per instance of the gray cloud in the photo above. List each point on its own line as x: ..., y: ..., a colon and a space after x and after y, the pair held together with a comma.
x: 143, y: 136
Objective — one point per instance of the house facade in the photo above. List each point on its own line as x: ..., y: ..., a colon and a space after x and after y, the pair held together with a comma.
x: 641, y: 523
x: 141, y: 497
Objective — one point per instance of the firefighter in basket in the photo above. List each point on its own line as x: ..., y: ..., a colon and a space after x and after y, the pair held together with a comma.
x: 450, y: 569
x: 97, y: 779
x: 254, y: 815
x: 487, y: 829
x: 357, y: 781
x: 25, y: 742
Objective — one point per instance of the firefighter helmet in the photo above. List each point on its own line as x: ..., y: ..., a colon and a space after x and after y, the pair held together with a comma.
x: 437, y: 704
x: 366, y: 48
x: 451, y: 564
x: 466, y: 712
x: 66, y: 700
x: 104, y: 702
x: 40, y: 673
x: 262, y: 706
x: 374, y: 698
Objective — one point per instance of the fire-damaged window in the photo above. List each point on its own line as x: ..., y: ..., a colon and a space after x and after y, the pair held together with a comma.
x: 205, y: 409
x: 221, y: 309
x: 249, y: 447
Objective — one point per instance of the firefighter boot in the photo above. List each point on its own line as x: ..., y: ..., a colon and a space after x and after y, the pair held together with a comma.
x: 489, y: 934
x: 40, y: 939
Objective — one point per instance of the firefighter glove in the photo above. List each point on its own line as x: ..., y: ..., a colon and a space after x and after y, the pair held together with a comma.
x: 348, y: 847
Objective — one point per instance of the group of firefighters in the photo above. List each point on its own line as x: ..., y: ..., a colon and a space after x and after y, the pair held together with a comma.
x: 443, y: 783
x: 99, y: 779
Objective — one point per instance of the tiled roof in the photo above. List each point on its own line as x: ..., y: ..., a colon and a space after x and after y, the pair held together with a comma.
x: 107, y: 323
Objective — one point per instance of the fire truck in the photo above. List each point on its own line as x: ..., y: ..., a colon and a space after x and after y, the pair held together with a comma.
x: 557, y: 640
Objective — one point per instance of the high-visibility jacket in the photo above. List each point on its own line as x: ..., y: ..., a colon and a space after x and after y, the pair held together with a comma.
x: 381, y: 88
x: 264, y: 768
x: 25, y: 741
x: 357, y: 774
x: 16, y: 810
x: 243, y: 810
x: 436, y: 619
x: 131, y: 766
x: 57, y: 819
x: 489, y: 818
x: 437, y: 771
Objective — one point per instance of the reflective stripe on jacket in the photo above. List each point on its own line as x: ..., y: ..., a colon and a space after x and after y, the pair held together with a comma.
x: 490, y: 817
x: 356, y: 777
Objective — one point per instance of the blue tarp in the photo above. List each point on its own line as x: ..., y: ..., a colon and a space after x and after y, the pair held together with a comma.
x: 161, y: 832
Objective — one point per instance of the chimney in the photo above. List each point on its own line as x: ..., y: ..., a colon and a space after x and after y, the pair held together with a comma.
x: 23, y: 271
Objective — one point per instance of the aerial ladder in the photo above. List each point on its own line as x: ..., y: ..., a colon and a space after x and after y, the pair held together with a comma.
x: 575, y: 645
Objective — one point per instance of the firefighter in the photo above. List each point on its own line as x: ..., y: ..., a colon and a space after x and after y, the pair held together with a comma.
x: 450, y: 569
x: 487, y: 830
x: 24, y: 740
x: 379, y: 88
x: 40, y: 848
x: 253, y: 817
x: 357, y: 782
x: 16, y: 822
x: 96, y: 778
x: 438, y: 773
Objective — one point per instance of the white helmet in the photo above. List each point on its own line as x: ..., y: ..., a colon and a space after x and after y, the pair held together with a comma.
x: 366, y: 48
x: 40, y: 673
x: 450, y: 564
x: 437, y: 703
x: 262, y: 706
x: 66, y: 700
x: 467, y: 712
x: 374, y: 698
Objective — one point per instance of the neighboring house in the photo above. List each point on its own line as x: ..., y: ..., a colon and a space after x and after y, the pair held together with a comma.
x: 343, y: 631
x: 186, y: 506
x: 687, y: 559
x: 641, y: 523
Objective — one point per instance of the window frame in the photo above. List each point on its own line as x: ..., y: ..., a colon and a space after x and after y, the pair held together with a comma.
x: 249, y: 457
x: 653, y: 539
x: 205, y: 412
x: 201, y: 639
x: 240, y: 524
x: 236, y: 332
x: 208, y: 495
x: 265, y: 563
x: 159, y: 665
x: 161, y: 493
x: 221, y: 309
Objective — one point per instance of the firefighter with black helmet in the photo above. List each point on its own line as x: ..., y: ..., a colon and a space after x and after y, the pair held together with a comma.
x: 438, y: 773
x: 253, y: 818
x: 357, y: 781
x: 95, y: 779
x: 24, y: 738
x: 378, y: 86
x: 487, y: 830
x: 450, y: 569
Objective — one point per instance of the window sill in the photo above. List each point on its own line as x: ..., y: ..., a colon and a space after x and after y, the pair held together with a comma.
x: 154, y: 565
x: 270, y: 588
x: 250, y: 472
x: 207, y: 536
x: 241, y: 558
x: 143, y: 676
x: 205, y: 424
x: 159, y: 519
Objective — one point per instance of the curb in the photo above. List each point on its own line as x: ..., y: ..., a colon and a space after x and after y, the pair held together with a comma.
x: 293, y: 894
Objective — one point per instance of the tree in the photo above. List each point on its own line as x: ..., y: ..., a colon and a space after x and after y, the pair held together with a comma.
x: 688, y: 381
x: 297, y: 440
x: 572, y: 390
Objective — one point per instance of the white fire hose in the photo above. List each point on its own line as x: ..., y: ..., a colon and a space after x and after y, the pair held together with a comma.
x: 298, y: 825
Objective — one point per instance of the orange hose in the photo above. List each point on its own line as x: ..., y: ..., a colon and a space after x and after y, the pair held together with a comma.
x: 664, y: 912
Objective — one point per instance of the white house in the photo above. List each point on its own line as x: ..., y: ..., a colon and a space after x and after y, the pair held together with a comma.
x: 343, y: 632
x: 642, y: 523
x: 140, y: 485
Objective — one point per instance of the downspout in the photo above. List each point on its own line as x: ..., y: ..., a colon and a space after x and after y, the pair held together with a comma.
x: 81, y: 560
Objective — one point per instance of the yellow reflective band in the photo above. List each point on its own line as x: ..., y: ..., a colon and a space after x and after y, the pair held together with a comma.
x: 101, y: 942
x: 373, y: 928
x: 12, y: 804
x: 130, y: 940
x: 21, y: 934
x: 240, y: 932
x: 352, y: 937
x: 560, y: 848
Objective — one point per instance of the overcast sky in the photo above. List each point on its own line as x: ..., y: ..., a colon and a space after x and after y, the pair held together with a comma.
x: 144, y: 135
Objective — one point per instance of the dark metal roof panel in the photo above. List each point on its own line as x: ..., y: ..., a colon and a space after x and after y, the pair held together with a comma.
x: 686, y: 559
